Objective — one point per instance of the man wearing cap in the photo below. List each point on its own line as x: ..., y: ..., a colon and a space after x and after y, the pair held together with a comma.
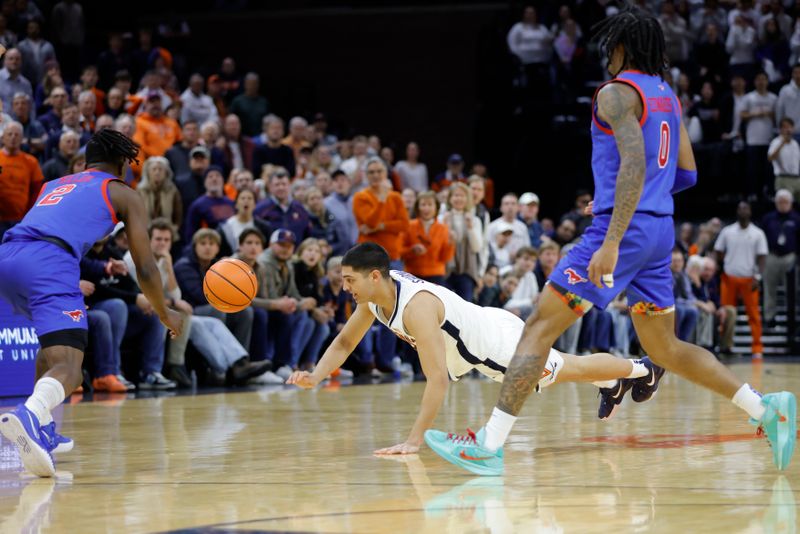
x: 498, y: 248
x: 178, y: 155
x: 192, y: 183
x: 280, y: 209
x: 156, y: 132
x: 197, y: 106
x: 529, y: 214
x: 454, y: 173
x: 212, y: 208
x: 782, y: 228
x: 290, y: 326
x: 509, y: 208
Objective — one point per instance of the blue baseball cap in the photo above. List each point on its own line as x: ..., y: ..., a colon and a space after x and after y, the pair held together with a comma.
x: 282, y: 235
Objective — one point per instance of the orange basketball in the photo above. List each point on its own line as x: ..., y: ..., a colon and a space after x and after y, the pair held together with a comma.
x: 230, y: 285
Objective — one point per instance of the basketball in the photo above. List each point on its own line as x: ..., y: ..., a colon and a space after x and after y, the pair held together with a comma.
x: 230, y: 285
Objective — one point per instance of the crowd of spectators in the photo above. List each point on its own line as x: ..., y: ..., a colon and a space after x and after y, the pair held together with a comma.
x: 220, y: 175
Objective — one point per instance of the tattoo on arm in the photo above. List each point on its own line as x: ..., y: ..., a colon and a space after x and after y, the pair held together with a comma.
x: 617, y: 105
x: 521, y: 377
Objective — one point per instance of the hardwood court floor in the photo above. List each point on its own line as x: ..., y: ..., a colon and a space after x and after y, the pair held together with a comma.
x: 289, y: 460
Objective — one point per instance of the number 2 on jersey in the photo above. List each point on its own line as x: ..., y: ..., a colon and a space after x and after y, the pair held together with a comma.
x: 663, y: 146
x: 54, y: 196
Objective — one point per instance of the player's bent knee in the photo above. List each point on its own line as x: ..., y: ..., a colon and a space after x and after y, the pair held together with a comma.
x: 77, y: 338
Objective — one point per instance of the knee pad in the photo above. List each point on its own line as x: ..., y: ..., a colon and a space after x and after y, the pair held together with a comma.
x: 77, y: 338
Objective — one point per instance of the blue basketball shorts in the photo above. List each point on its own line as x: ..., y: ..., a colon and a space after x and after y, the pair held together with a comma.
x: 643, y: 267
x: 41, y: 281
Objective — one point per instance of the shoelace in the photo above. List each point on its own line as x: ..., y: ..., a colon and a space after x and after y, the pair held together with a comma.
x: 466, y: 439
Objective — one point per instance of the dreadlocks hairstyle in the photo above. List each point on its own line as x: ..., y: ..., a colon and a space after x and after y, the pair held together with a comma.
x: 110, y: 146
x: 640, y: 35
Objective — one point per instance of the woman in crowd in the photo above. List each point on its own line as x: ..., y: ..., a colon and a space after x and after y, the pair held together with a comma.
x: 308, y: 272
x: 466, y: 233
x: 426, y: 245
x: 322, y: 221
x: 233, y: 227
x: 161, y: 196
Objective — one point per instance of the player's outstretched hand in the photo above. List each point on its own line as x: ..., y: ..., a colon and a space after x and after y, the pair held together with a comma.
x: 301, y: 379
x: 400, y: 448
x: 589, y: 209
x: 173, y: 322
x: 603, y: 264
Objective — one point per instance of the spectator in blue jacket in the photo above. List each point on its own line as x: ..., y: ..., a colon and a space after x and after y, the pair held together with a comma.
x: 281, y: 210
x: 340, y: 204
x: 211, y: 209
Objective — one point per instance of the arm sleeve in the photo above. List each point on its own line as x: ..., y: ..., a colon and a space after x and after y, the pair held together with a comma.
x: 761, y: 247
x: 684, y: 180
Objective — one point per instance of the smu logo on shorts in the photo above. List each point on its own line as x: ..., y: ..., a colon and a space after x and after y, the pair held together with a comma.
x: 75, y: 315
x: 574, y: 277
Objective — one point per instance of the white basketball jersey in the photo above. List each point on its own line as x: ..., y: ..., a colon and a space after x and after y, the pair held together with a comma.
x: 474, y: 337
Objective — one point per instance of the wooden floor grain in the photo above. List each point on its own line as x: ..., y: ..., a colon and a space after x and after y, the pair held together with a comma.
x: 282, y: 459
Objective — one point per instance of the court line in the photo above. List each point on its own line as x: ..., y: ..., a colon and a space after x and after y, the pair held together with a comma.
x: 647, y: 505
x: 410, y: 485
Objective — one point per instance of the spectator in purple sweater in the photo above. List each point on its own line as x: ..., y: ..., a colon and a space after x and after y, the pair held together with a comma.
x: 212, y: 208
x: 281, y: 210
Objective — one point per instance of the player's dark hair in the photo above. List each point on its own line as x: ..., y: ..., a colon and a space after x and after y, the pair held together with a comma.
x: 640, y: 35
x: 367, y: 257
x: 110, y: 147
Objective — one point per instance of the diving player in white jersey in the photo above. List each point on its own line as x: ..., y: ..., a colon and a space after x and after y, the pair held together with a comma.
x: 452, y: 337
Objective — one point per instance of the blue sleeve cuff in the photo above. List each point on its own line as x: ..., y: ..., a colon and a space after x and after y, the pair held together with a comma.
x: 684, y: 180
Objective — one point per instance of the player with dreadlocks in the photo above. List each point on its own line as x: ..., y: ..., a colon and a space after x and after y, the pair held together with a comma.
x: 39, y: 276
x: 641, y: 156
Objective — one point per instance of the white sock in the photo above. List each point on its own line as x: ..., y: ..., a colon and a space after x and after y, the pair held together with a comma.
x: 605, y: 384
x: 47, y: 394
x: 497, y: 429
x: 749, y: 400
x: 639, y: 369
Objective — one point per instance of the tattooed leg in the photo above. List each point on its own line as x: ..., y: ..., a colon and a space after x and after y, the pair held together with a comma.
x: 557, y: 310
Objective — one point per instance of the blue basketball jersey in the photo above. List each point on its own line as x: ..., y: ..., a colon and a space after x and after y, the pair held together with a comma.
x: 660, y: 122
x: 75, y: 209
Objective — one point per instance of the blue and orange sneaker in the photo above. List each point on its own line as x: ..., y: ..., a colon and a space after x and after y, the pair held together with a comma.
x: 21, y: 427
x: 611, y: 398
x: 779, y: 424
x: 645, y: 387
x: 466, y: 451
x: 58, y: 444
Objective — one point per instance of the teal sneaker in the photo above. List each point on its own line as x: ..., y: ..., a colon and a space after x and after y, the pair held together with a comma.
x: 466, y: 451
x: 779, y: 424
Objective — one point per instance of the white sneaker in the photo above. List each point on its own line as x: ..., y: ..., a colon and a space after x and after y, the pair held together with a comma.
x: 397, y: 364
x: 284, y: 372
x: 267, y: 378
x: 375, y: 373
x: 130, y: 386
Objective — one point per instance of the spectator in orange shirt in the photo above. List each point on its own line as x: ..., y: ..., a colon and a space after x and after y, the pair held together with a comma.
x: 297, y: 136
x: 155, y: 131
x: 426, y: 245
x: 20, y: 178
x: 380, y: 213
